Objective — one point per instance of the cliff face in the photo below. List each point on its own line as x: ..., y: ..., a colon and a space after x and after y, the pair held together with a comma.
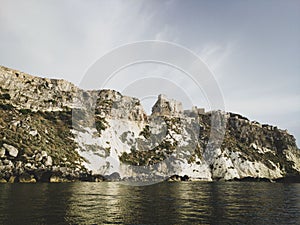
x: 53, y: 131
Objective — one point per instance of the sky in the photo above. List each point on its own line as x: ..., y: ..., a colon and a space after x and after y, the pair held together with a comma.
x: 251, y: 47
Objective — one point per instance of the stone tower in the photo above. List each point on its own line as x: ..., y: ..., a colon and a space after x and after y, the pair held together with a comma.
x: 167, y: 107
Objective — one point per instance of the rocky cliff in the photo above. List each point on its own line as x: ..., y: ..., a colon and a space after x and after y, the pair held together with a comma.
x: 53, y: 131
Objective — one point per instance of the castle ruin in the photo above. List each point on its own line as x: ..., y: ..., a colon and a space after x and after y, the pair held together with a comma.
x: 171, y: 107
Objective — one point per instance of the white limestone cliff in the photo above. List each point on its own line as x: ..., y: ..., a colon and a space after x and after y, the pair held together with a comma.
x: 113, y: 134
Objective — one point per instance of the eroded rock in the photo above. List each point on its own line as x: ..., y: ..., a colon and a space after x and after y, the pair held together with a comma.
x: 12, y: 151
x: 26, y: 178
x: 2, y: 152
x: 124, y: 139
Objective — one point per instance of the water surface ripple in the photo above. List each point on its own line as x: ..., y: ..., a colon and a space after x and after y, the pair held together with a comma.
x: 163, y: 203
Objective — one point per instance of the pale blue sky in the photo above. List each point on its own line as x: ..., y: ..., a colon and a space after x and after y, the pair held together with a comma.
x: 253, y: 47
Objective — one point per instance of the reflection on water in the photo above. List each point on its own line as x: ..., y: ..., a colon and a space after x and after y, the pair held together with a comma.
x: 164, y: 203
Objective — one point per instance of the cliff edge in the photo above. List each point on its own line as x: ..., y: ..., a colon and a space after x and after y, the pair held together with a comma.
x: 53, y: 131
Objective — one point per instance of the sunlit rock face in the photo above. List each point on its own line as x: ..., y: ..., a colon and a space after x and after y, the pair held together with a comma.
x: 53, y: 125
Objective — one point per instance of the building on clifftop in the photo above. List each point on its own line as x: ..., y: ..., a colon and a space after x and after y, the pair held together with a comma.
x: 167, y: 107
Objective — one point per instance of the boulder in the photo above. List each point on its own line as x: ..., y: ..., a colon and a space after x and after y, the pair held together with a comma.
x: 86, y: 177
x: 12, y: 151
x: 38, y: 157
x: 8, y: 163
x: 113, y: 177
x: 26, y: 178
x: 44, y: 154
x: 9, y: 167
x: 63, y: 170
x: 185, y: 178
x: 99, y: 178
x: 29, y: 166
x: 91, y: 178
x: 174, y: 178
x: 18, y: 164
x: 33, y: 132
x: 178, y: 178
x: 2, y: 152
x: 12, y: 179
x: 2, y: 180
x: 57, y: 179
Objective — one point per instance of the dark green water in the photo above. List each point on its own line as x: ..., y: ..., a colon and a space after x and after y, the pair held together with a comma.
x: 164, y: 203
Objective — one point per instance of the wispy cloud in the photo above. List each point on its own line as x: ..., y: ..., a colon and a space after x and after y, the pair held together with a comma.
x: 59, y: 39
x: 252, y: 51
x: 216, y: 55
x: 168, y: 33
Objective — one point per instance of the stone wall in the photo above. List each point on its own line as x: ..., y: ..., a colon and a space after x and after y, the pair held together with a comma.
x: 167, y: 107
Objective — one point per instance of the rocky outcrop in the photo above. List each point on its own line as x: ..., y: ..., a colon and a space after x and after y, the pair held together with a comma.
x: 52, y: 131
x: 167, y: 107
x: 11, y: 150
x: 47, y: 94
x: 178, y: 178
